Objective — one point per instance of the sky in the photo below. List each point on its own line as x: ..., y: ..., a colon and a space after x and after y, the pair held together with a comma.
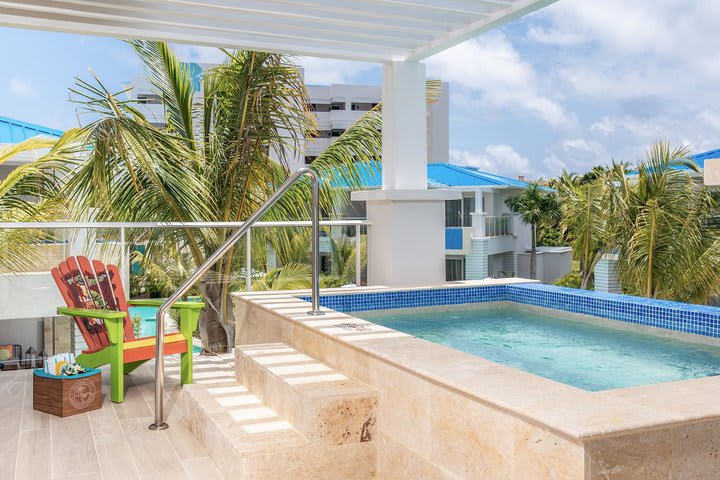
x: 576, y: 84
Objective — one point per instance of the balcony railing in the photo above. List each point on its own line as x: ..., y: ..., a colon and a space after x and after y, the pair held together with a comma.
x: 107, y: 241
x: 498, y: 226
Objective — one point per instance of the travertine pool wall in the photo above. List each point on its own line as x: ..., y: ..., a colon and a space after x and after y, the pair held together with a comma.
x: 444, y: 414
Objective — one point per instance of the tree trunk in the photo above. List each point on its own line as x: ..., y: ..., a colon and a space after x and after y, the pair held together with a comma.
x: 533, y: 254
x: 217, y: 334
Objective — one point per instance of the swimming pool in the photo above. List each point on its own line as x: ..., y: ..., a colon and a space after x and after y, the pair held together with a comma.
x: 589, y: 356
x: 515, y: 422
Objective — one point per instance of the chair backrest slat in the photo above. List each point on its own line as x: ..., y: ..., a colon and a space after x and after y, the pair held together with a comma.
x: 110, y: 283
x: 88, y: 296
x: 73, y: 296
x: 69, y: 298
x: 93, y: 285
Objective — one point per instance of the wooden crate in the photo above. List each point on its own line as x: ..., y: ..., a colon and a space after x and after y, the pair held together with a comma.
x: 65, y: 396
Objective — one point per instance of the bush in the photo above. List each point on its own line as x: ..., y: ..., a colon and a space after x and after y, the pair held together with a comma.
x: 572, y: 280
x: 137, y: 325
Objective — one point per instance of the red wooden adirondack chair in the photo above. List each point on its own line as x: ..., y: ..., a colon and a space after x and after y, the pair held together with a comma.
x: 95, y: 299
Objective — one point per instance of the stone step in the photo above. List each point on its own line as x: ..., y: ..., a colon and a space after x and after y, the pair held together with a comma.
x: 324, y: 405
x: 248, y: 440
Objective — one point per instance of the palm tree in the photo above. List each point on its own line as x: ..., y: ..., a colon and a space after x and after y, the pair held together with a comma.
x: 32, y: 193
x: 534, y: 205
x: 215, y: 161
x: 583, y: 220
x: 658, y: 224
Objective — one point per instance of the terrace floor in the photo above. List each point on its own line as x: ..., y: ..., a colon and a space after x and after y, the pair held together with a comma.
x: 111, y: 443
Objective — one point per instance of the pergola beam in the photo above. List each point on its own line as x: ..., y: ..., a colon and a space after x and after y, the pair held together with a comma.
x: 367, y: 30
x: 516, y: 10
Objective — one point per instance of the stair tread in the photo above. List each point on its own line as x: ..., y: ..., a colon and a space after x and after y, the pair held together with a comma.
x: 303, y: 374
x: 244, y: 421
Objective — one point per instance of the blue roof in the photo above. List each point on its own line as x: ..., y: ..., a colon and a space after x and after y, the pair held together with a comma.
x: 698, y: 158
x: 15, y: 131
x: 442, y: 175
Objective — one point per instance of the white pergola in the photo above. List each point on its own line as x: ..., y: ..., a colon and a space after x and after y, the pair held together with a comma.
x: 407, y: 240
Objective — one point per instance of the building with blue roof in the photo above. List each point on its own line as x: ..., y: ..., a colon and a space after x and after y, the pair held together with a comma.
x: 699, y: 159
x: 14, y: 131
x: 482, y: 237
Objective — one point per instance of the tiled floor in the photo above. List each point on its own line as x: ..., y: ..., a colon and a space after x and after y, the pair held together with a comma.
x: 111, y: 443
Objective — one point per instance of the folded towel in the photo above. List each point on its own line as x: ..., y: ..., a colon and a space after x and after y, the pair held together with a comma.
x: 54, y: 364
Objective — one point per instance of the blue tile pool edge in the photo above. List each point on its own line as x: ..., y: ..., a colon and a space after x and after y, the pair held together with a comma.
x: 676, y: 316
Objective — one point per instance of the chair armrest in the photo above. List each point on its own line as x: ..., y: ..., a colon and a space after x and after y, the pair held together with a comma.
x: 156, y: 302
x: 92, y: 313
x: 114, y: 320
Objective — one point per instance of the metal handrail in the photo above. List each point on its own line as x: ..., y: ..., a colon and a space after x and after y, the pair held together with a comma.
x: 81, y: 225
x: 212, y: 259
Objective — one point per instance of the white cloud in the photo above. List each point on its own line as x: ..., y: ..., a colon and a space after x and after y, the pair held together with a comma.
x: 644, y: 47
x: 191, y: 53
x: 490, y: 70
x: 554, y: 36
x: 580, y: 144
x: 605, y: 126
x: 500, y: 159
x: 20, y: 87
x: 633, y: 72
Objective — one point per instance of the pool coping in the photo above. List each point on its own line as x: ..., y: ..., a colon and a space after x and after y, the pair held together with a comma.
x: 569, y: 411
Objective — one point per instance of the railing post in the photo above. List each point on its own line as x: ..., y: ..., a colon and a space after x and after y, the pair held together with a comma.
x: 358, y: 266
x: 214, y: 257
x: 315, y: 220
x: 248, y: 260
x: 124, y: 265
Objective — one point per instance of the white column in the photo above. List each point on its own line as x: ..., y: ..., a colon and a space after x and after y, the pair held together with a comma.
x: 478, y: 224
x: 406, y: 243
x: 404, y: 126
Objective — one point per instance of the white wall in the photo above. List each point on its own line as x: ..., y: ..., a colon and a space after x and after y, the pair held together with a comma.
x: 552, y: 263
x: 24, y: 300
x: 438, y: 127
x: 29, y: 295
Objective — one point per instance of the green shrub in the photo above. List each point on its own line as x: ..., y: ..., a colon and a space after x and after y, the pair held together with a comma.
x: 572, y: 280
x: 137, y: 325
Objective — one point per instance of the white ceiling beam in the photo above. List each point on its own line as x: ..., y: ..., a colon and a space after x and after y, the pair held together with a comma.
x: 229, y: 16
x: 83, y: 26
x: 328, y: 10
x: 301, y: 34
x: 368, y: 30
x: 516, y: 10
x: 467, y: 7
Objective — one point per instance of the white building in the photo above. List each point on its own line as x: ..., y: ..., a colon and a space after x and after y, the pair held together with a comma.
x: 14, y: 131
x: 336, y: 108
x: 483, y: 238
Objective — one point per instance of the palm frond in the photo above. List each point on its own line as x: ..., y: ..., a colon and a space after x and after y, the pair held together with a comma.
x: 173, y: 82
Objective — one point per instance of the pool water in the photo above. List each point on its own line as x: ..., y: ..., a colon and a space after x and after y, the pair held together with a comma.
x: 148, y: 323
x: 588, y: 356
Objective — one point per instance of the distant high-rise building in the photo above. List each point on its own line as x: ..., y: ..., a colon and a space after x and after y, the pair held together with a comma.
x: 336, y: 108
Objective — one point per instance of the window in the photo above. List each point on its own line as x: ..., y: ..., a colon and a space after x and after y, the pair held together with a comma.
x: 454, y: 269
x: 325, y: 264
x: 363, y: 107
x: 319, y: 134
x: 310, y: 159
x: 468, y: 208
x: 148, y: 98
x: 453, y: 213
x: 319, y: 107
x: 337, y: 106
x: 336, y: 132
